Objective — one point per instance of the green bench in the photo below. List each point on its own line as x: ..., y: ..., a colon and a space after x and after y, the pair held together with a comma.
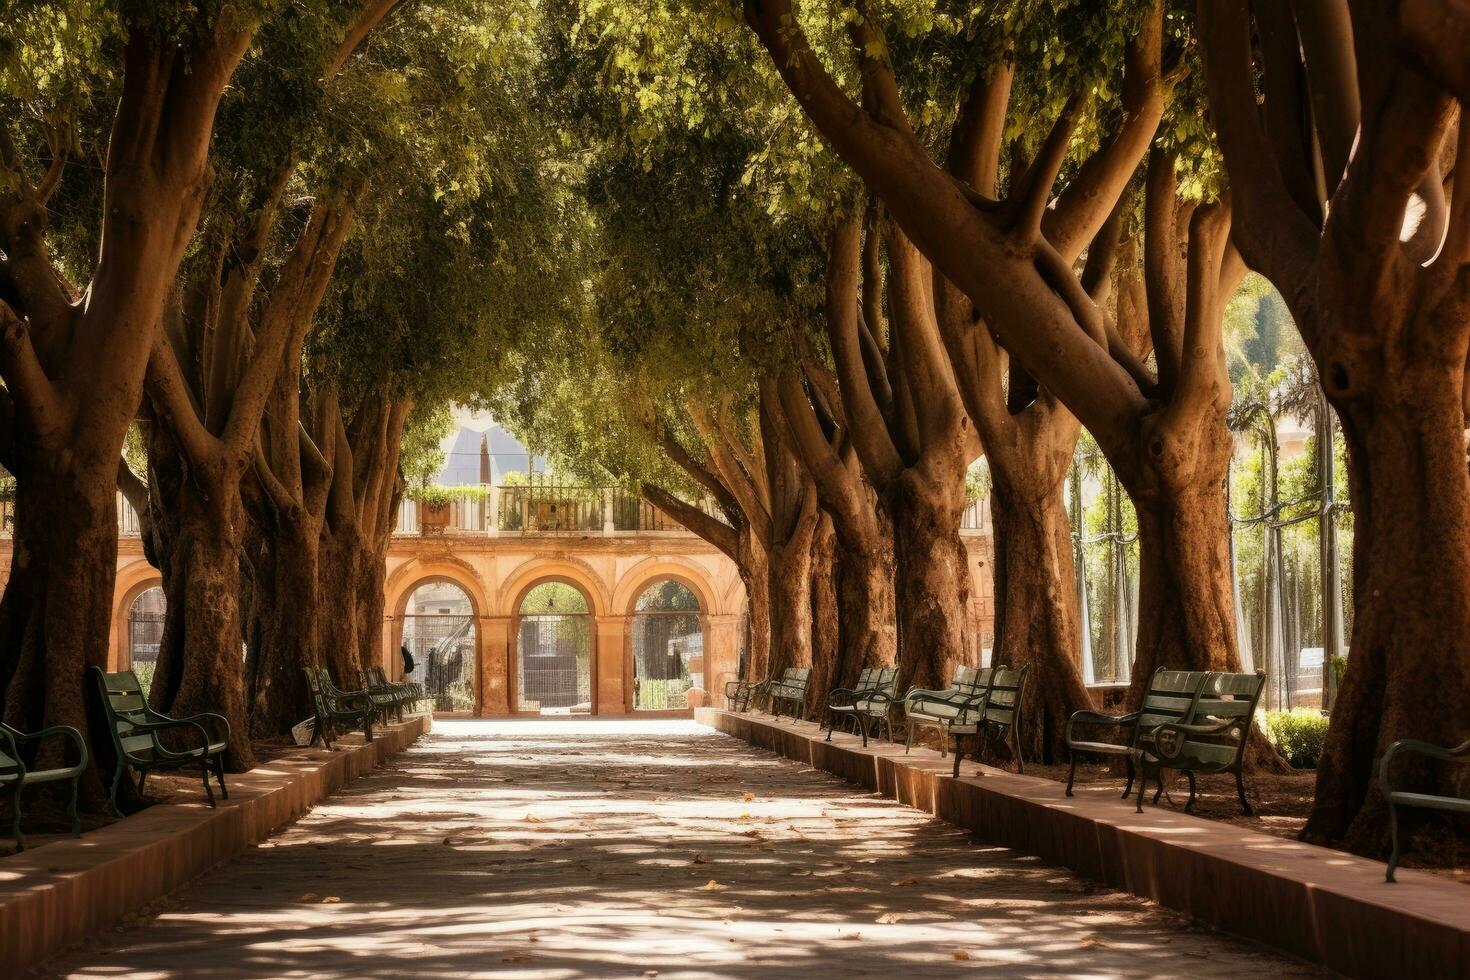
x: 394, y: 696
x: 939, y: 709
x: 1170, y: 697
x: 790, y: 689
x: 135, y: 729
x: 996, y: 712
x: 1212, y: 738
x: 866, y: 704
x: 1396, y: 798
x: 336, y: 707
x: 739, y: 692
x: 15, y: 776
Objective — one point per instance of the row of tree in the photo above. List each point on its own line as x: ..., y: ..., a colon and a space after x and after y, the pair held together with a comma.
x: 844, y: 248
x: 243, y: 247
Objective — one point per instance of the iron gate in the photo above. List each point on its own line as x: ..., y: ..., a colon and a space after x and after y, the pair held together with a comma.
x: 145, y: 634
x: 443, y: 649
x: 668, y: 659
x: 554, y: 665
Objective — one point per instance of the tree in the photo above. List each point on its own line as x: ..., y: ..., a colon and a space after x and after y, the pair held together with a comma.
x: 73, y: 359
x: 1337, y: 160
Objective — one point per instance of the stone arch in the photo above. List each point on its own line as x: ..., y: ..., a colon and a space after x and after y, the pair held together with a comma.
x: 579, y: 576
x: 572, y: 571
x: 133, y: 579
x: 655, y: 569
x: 407, y: 579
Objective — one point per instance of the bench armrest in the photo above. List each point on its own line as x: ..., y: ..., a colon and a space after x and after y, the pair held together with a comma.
x: 219, y: 723
x: 1460, y: 753
x: 154, y: 727
x: 1166, y: 748
x: 19, y: 738
x: 1097, y: 718
x: 919, y: 692
x: 7, y: 743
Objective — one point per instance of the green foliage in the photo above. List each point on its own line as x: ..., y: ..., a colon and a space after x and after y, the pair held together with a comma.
x: 437, y: 495
x: 420, y: 457
x: 1299, y: 734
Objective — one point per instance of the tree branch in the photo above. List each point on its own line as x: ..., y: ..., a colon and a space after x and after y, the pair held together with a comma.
x: 708, y: 527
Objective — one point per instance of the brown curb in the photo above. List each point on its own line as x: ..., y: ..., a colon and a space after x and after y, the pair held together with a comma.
x: 1322, y: 905
x: 66, y: 891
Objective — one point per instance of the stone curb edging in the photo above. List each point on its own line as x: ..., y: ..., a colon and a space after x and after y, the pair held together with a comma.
x: 1324, y: 906
x: 65, y: 891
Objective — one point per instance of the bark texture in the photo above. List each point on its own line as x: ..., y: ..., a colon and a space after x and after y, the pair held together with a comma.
x: 1339, y: 127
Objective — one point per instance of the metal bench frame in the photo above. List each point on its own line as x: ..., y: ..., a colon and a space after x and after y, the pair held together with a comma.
x: 335, y: 706
x: 129, y: 720
x: 967, y: 684
x: 14, y: 776
x: 1212, y: 739
x: 866, y: 704
x: 998, y: 711
x: 1396, y: 798
x: 1171, y: 696
x: 790, y: 688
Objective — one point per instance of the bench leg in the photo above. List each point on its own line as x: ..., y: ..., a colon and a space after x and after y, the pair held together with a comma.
x: 112, y: 797
x: 1071, y: 772
x: 142, y: 778
x: 76, y: 821
x: 1016, y: 744
x: 958, y: 753
x: 1189, y: 807
x: 1129, y: 788
x: 1159, y: 778
x: 20, y: 839
x: 204, y: 768
x: 219, y: 774
x: 1393, y: 834
x: 830, y: 722
x: 862, y: 723
x: 1240, y: 791
x: 908, y: 740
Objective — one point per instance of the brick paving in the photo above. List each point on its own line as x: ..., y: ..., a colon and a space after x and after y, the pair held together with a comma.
x: 591, y: 849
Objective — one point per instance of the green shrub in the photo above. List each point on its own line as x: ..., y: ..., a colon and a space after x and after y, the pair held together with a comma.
x: 1299, y: 734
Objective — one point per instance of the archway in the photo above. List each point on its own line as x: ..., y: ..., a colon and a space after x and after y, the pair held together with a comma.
x: 440, y: 632
x: 554, y: 650
x: 145, y: 633
x: 668, y: 646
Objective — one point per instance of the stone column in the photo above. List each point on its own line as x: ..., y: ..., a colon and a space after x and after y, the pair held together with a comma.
x: 612, y: 684
x: 609, y: 525
x: 721, y: 655
x: 497, y: 660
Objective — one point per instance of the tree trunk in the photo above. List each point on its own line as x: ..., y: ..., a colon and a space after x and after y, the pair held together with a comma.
x: 286, y: 603
x: 866, y: 606
x: 791, y: 600
x: 932, y: 578
x: 201, y: 664
x: 827, y: 652
x: 1408, y: 672
x: 57, y: 610
x: 344, y: 605
x: 755, y: 572
x: 1036, y: 603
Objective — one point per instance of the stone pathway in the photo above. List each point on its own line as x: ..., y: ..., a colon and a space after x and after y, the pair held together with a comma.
x: 591, y: 849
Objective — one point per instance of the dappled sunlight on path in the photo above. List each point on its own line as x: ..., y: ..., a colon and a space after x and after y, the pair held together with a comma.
x: 618, y: 848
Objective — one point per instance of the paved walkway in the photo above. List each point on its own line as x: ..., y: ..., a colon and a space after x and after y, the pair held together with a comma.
x: 585, y: 849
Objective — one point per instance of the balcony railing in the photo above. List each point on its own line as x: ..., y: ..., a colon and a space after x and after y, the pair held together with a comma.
x: 520, y: 509
x: 539, y: 508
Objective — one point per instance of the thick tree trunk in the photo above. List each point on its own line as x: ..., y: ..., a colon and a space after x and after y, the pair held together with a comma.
x: 866, y: 607
x: 1408, y: 672
x: 932, y: 578
x: 791, y: 601
x: 755, y: 572
x: 343, y: 612
x: 1186, y: 616
x: 57, y: 608
x: 201, y: 662
x: 827, y: 652
x: 1036, y: 604
x: 286, y: 605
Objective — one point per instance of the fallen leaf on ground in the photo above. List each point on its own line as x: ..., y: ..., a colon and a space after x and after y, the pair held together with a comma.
x: 1092, y: 942
x: 713, y: 886
x: 531, y: 818
x: 308, y: 897
x: 330, y: 899
x: 747, y: 797
x: 961, y: 954
x: 888, y: 918
x: 699, y: 858
x: 904, y: 882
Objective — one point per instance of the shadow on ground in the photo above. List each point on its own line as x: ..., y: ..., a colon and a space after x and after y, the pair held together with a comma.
x: 598, y: 849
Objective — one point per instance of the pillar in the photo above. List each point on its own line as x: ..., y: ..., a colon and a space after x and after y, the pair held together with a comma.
x: 612, y: 689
